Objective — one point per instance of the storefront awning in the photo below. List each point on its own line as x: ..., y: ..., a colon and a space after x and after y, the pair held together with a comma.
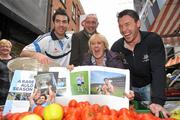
x: 167, y: 23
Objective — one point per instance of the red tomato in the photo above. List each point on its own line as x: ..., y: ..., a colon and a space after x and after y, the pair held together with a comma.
x: 146, y: 116
x: 83, y: 104
x: 72, y: 114
x: 73, y: 103
x: 105, y: 110
x: 114, y: 112
x: 87, y: 114
x: 87, y: 103
x: 7, y: 116
x: 124, y: 111
x: 96, y: 108
x: 39, y: 110
x: 14, y: 116
x: 66, y: 109
x: 105, y: 117
x: 125, y: 114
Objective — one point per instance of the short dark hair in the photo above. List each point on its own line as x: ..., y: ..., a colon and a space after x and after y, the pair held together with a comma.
x: 129, y: 12
x: 60, y: 11
x: 106, y: 79
x: 44, y: 96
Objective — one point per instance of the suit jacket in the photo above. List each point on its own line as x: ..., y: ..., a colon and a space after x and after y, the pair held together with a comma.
x: 79, y: 47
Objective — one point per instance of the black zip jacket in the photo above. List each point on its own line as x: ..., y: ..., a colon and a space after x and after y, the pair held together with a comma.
x: 146, y: 64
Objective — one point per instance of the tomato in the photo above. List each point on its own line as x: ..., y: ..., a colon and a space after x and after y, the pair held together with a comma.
x: 7, y: 116
x: 73, y: 103
x: 114, y: 112
x: 66, y: 110
x: 87, y: 103
x: 39, y: 110
x: 87, y: 114
x: 125, y: 114
x: 105, y: 117
x: 146, y: 116
x: 105, y: 110
x: 124, y: 111
x: 84, y: 104
x: 72, y: 114
x: 81, y: 105
x: 14, y: 116
x: 96, y: 108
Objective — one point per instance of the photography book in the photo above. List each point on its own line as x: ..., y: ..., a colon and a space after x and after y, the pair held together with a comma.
x: 21, y: 88
x: 24, y: 84
x: 96, y: 84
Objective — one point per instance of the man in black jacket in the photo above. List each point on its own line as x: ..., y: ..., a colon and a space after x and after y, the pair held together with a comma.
x: 145, y: 58
x: 80, y: 39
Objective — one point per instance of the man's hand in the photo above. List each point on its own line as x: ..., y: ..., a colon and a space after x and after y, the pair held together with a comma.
x: 156, y: 109
x: 43, y: 59
x: 130, y: 95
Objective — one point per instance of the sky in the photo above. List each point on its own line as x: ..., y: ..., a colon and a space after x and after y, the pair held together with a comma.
x: 106, y: 11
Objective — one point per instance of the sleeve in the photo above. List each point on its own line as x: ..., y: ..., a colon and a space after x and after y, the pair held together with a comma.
x: 30, y: 47
x: 86, y: 59
x: 116, y: 60
x: 115, y: 46
x: 75, y: 51
x: 157, y: 62
x: 34, y: 46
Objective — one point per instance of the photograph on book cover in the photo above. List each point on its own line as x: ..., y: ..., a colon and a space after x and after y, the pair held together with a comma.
x: 79, y: 83
x: 44, y: 80
x: 21, y: 88
x: 107, y: 83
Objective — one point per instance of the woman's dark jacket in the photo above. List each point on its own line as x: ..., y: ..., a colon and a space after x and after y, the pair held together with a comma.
x: 112, y: 59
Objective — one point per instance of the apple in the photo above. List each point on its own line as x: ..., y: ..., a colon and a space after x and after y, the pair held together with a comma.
x: 53, y: 112
x: 32, y: 116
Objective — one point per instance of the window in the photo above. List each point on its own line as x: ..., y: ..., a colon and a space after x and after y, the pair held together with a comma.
x: 63, y: 1
x: 74, y: 12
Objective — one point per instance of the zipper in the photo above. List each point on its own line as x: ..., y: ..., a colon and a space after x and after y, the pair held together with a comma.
x: 133, y: 55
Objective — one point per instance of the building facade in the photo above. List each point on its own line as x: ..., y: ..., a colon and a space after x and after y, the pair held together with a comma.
x: 22, y: 21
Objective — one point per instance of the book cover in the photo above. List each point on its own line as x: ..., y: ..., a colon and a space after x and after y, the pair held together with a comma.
x: 96, y: 84
x: 21, y: 88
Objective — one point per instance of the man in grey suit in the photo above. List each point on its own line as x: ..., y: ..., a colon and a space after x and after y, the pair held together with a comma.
x: 80, y: 39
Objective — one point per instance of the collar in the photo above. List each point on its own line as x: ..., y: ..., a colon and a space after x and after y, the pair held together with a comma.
x: 88, y: 34
x: 54, y: 37
x: 93, y: 60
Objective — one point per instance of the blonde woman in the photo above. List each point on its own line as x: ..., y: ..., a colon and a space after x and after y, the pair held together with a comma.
x: 5, y: 57
x: 100, y: 55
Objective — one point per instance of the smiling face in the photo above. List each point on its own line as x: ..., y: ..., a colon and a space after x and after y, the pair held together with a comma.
x: 129, y: 28
x: 90, y: 23
x: 41, y: 100
x: 97, y: 45
x: 5, y: 47
x: 60, y: 25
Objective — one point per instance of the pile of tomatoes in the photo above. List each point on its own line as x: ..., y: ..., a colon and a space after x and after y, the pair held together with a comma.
x: 86, y: 111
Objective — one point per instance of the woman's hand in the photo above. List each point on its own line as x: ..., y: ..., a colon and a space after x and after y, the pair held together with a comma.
x: 70, y: 67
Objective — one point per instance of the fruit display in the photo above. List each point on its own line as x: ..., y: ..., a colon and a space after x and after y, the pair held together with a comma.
x: 175, y: 114
x: 83, y: 110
